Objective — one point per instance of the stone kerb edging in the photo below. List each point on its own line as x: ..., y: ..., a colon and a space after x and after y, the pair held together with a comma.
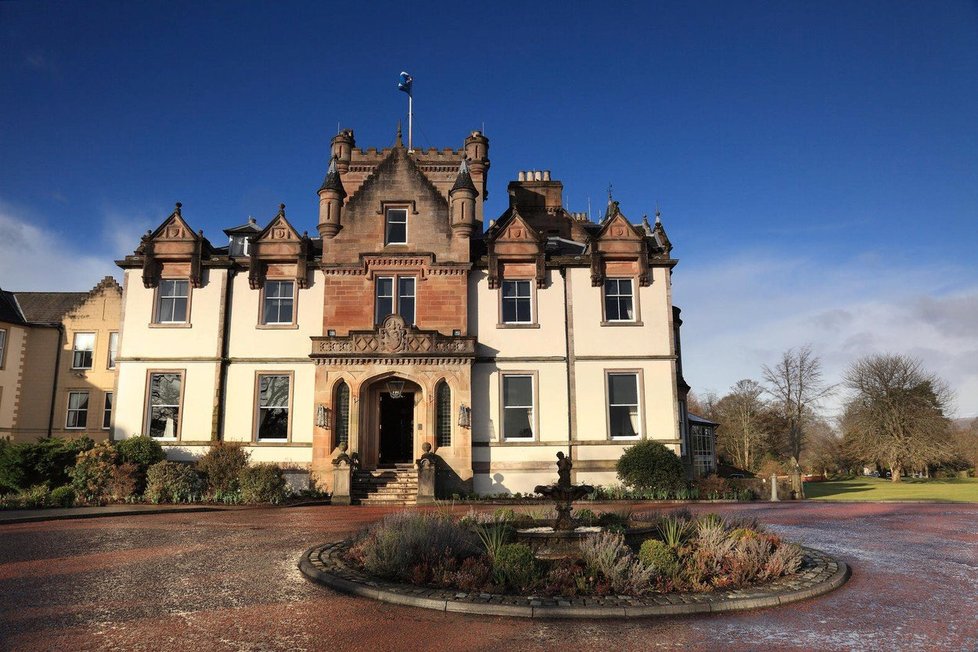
x: 819, y: 574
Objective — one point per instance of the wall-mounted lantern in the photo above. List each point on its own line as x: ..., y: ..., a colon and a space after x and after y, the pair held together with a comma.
x: 322, y: 416
x: 396, y: 388
x: 464, y: 416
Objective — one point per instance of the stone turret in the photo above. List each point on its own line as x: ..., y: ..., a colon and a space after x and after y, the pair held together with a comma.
x: 462, y: 196
x: 477, y: 152
x: 342, y: 149
x: 331, y: 196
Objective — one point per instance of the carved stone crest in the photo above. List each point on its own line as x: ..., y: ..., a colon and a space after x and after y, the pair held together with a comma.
x: 392, y: 334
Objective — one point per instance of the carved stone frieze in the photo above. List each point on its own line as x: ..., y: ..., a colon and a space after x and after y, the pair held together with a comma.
x: 394, y: 338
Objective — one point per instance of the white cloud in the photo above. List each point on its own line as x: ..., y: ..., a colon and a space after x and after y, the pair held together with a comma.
x: 741, y: 312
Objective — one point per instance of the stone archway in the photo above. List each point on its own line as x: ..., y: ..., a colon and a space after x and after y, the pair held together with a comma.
x: 391, y: 427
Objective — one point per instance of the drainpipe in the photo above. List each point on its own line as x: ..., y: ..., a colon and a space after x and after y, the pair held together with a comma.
x: 54, y: 382
x: 570, y: 362
x: 222, y: 378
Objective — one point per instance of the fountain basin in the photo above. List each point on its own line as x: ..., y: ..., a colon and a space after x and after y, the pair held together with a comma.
x: 551, y: 544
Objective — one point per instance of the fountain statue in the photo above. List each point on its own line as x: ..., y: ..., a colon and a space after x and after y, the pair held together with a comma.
x: 564, y: 493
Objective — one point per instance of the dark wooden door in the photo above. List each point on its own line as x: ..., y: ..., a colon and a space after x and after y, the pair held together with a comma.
x: 396, y: 429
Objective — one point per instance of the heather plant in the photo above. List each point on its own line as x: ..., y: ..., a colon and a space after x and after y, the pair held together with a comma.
x: 91, y: 476
x: 262, y: 483
x: 221, y: 467
x: 514, y: 565
x: 608, y: 555
x: 748, y: 559
x: 173, y: 482
x: 392, y: 547
x: 786, y: 559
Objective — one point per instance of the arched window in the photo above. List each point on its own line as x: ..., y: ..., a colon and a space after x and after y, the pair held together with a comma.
x: 443, y: 414
x: 342, y: 413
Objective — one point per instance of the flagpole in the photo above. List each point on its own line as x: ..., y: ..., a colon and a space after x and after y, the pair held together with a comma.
x: 410, y: 121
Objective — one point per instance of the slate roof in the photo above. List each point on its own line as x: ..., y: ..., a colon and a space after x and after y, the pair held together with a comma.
x: 48, y: 307
x: 9, y: 310
x: 700, y: 420
x: 251, y: 226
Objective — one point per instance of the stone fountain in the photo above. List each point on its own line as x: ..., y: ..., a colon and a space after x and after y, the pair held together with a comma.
x: 564, y: 493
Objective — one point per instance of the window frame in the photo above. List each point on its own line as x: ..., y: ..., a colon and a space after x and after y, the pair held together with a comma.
x: 112, y: 352
x: 4, y: 341
x: 532, y: 323
x: 148, y: 406
x: 338, y: 413
x: 395, y: 298
x: 75, y: 350
x: 387, y: 222
x: 699, y: 458
x: 108, y: 403
x: 639, y: 397
x: 443, y: 383
x: 69, y: 409
x: 256, y: 415
x: 157, y: 298
x: 534, y: 409
x: 636, y: 319
x: 263, y: 297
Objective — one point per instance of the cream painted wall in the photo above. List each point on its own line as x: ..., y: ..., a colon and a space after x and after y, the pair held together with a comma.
x: 197, y: 411
x: 16, y: 340
x: 659, y: 413
x: 550, y: 402
x: 142, y: 339
x: 653, y: 337
x: 239, y: 421
x: 484, y: 316
x: 249, y: 341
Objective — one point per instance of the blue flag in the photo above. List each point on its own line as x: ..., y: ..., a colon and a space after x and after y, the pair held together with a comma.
x: 405, y: 83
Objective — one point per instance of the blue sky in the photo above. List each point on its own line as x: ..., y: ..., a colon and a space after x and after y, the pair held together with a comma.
x: 816, y: 164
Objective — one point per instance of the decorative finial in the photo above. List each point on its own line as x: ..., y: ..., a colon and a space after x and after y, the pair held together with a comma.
x: 281, y: 209
x: 398, y: 143
x: 658, y: 214
x: 609, y: 192
x: 177, y: 209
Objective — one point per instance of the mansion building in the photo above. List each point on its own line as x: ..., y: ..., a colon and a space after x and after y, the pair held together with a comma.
x: 403, y: 321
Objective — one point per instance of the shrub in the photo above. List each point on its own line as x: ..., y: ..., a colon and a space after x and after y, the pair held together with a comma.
x: 785, y: 559
x: 142, y: 451
x: 11, y: 468
x: 493, y: 536
x: 221, y: 467
x: 608, y: 555
x: 674, y: 530
x: 659, y: 557
x: 173, y: 482
x: 34, y: 497
x: 91, y: 476
x: 650, y: 465
x: 47, y: 460
x: 125, y: 482
x: 515, y: 566
x: 585, y: 516
x: 63, y: 496
x: 262, y: 483
x: 393, y: 546
x: 713, y: 487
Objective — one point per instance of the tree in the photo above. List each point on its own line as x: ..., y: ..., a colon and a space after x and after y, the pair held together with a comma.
x: 797, y: 387
x: 895, y: 415
x: 966, y: 444
x: 742, y: 433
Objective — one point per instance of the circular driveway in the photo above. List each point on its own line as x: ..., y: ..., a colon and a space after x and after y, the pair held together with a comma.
x: 228, y: 581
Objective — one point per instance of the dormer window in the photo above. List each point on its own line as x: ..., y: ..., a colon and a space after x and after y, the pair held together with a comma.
x: 396, y: 226
x: 239, y: 246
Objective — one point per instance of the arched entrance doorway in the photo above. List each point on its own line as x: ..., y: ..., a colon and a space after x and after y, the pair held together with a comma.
x: 392, y: 417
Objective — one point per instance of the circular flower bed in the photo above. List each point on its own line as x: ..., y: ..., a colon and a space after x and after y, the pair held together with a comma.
x: 484, y: 554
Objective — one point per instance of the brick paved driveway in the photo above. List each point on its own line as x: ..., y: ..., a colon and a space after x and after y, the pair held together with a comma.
x: 228, y: 581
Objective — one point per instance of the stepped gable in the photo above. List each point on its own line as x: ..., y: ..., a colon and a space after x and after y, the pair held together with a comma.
x: 395, y: 164
x: 52, y: 307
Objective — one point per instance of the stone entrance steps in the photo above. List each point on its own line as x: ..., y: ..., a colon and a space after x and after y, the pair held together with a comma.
x: 397, y: 485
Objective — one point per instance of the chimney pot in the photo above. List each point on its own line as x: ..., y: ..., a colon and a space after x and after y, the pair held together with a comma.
x: 546, y: 175
x: 521, y: 176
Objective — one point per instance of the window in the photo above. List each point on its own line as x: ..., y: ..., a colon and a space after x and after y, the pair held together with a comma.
x: 83, y: 350
x: 618, y: 300
x: 3, y: 346
x: 703, y: 455
x: 443, y: 414
x: 623, y: 413
x: 517, y: 302
x: 342, y: 413
x: 278, y: 306
x: 77, y: 410
x: 238, y: 245
x: 273, y: 406
x: 165, y: 394
x: 107, y: 411
x: 518, y: 406
x: 113, y: 349
x: 396, y: 232
x: 405, y: 298
x: 172, y: 301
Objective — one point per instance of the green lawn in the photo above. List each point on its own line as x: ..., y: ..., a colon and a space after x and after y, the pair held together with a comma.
x: 958, y: 490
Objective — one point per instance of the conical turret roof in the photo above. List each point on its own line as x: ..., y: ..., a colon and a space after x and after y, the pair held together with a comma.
x: 332, y: 181
x: 464, y: 180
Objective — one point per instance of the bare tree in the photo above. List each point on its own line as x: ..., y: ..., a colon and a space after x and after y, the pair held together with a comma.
x: 895, y: 415
x: 742, y: 435
x: 797, y: 386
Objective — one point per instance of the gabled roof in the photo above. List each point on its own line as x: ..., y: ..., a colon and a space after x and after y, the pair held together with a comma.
x: 9, y: 310
x: 386, y: 168
x: 275, y: 224
x: 51, y: 307
x: 248, y: 228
